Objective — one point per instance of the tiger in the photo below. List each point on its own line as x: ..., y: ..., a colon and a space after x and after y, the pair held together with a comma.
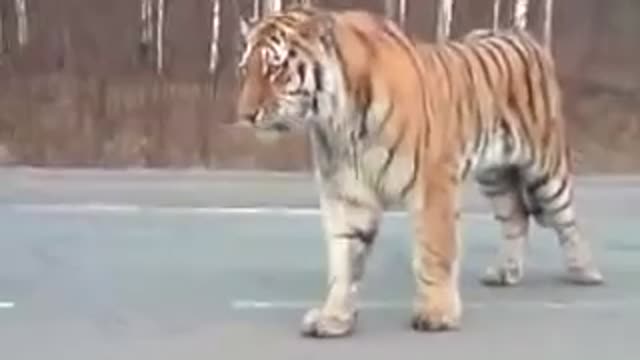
x: 393, y: 121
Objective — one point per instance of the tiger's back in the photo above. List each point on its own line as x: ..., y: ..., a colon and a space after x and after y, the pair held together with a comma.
x: 499, y: 95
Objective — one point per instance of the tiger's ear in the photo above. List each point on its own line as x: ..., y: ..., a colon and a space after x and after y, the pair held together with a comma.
x: 317, y: 27
x: 246, y: 25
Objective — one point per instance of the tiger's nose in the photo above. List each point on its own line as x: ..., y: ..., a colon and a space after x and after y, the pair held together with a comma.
x: 250, y: 117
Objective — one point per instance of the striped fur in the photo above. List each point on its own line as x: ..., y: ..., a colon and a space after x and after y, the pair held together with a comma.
x: 499, y: 93
x: 390, y: 122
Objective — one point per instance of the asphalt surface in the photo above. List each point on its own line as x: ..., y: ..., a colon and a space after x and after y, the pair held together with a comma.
x: 198, y: 265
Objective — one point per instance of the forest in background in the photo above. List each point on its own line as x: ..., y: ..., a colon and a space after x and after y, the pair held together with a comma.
x: 82, y: 83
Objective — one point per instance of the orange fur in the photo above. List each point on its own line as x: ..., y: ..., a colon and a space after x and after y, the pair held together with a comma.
x: 395, y: 121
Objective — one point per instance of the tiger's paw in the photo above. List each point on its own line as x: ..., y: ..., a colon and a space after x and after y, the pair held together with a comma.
x: 441, y: 314
x: 587, y: 275
x: 508, y: 274
x: 317, y: 324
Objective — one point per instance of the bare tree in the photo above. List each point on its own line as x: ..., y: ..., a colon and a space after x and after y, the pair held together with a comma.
x: 257, y: 5
x: 146, y: 28
x: 215, y: 36
x: 402, y: 12
x: 444, y: 19
x: 496, y: 13
x: 390, y: 9
x: 146, y: 21
x: 548, y: 22
x: 2, y: 44
x: 396, y: 10
x: 271, y: 6
x: 160, y: 35
x: 23, y: 22
x: 520, y: 13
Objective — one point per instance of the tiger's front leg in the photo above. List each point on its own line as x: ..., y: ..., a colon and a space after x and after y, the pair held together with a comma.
x: 350, y: 229
x: 436, y: 253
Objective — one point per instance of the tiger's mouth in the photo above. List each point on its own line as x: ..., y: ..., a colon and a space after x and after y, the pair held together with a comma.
x: 259, y: 122
x: 279, y: 127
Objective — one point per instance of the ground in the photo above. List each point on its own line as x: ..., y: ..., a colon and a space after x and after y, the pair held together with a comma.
x: 196, y: 265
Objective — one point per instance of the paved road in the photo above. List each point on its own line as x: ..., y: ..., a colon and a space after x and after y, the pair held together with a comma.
x: 172, y: 265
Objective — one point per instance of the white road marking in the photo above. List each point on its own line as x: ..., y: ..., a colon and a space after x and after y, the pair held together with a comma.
x: 7, y: 305
x: 248, y: 305
x: 129, y: 209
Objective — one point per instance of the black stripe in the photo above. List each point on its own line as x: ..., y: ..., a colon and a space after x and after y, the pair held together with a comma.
x: 366, y: 42
x: 543, y: 67
x: 561, y: 157
x: 318, y: 76
x: 416, y: 167
x: 365, y: 236
x: 559, y: 209
x: 496, y: 192
x: 365, y: 97
x: 499, y: 46
x: 535, y: 210
x: 438, y: 55
x: 491, y: 51
x: 352, y: 201
x: 491, y: 188
x: 552, y: 163
x: 301, y: 72
x: 398, y: 35
x: 468, y: 66
x: 480, y: 141
x: 465, y: 169
x: 556, y: 194
x: 340, y: 60
x: 390, y: 156
x: 540, y: 91
x: 502, y: 218
x: 488, y: 182
x: 475, y: 95
x: 323, y: 140
x: 535, y: 185
x: 484, y: 65
x: 527, y: 72
x: 386, y: 118
x: 509, y: 143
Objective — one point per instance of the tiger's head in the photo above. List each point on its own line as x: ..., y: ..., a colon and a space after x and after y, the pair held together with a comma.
x: 281, y: 74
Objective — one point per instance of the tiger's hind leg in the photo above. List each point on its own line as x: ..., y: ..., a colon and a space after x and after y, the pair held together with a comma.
x: 552, y: 202
x: 350, y: 229
x: 502, y: 188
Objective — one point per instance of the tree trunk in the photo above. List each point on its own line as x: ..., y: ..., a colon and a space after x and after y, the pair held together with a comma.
x: 520, y: 13
x: 444, y: 19
x: 402, y: 12
x: 257, y: 5
x: 496, y: 14
x: 146, y: 28
x: 548, y: 22
x: 23, y: 22
x: 271, y: 6
x: 215, y: 35
x: 390, y: 7
x: 160, y: 36
x: 2, y: 44
x: 146, y: 21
